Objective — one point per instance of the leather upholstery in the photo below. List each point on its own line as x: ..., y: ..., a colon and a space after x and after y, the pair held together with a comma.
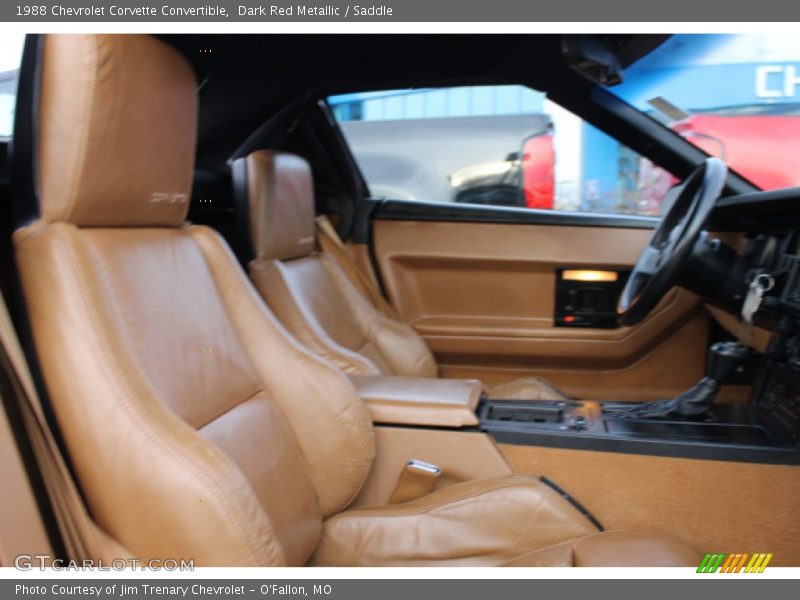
x: 120, y: 425
x: 420, y: 401
x: 451, y: 526
x: 280, y: 230
x: 613, y: 549
x: 332, y: 425
x: 131, y: 110
x: 313, y: 296
x: 197, y: 427
x: 318, y: 304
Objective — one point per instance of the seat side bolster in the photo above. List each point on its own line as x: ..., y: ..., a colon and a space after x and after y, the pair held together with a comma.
x: 268, y: 278
x: 399, y: 345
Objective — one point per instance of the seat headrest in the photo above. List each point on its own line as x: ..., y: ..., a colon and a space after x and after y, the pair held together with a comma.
x: 117, y: 131
x: 280, y: 199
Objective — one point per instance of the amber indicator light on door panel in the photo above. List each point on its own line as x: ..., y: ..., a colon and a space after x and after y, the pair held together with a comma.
x: 587, y: 297
x: 584, y: 275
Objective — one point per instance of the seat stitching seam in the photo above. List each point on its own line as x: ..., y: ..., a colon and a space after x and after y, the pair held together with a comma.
x: 454, y: 502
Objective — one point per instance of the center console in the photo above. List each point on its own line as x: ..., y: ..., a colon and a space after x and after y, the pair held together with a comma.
x: 692, y: 425
x: 728, y: 432
x: 766, y: 430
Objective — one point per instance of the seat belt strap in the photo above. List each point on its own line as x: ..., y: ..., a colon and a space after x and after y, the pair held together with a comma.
x: 331, y: 243
x: 82, y: 537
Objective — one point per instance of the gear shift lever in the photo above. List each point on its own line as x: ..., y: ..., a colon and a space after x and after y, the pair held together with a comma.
x: 723, y: 359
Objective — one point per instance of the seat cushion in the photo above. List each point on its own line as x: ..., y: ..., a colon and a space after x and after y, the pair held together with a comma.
x: 614, y: 549
x: 478, y: 523
x: 526, y: 388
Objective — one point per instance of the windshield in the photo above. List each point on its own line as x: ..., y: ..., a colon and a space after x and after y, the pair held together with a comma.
x: 734, y: 96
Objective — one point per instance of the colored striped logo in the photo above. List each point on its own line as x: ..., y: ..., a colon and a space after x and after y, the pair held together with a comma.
x: 734, y: 563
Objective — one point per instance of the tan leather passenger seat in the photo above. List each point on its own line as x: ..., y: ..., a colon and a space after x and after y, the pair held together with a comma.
x: 312, y: 295
x: 197, y: 427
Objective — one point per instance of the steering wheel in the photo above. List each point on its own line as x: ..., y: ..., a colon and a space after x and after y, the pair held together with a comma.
x: 666, y: 254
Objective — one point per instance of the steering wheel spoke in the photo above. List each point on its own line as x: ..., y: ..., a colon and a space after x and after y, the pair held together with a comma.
x: 648, y: 261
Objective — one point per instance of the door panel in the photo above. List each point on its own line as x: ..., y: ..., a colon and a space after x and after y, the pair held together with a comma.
x: 483, y: 297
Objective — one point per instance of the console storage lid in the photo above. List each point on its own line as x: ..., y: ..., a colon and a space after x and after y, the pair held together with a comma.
x: 420, y: 401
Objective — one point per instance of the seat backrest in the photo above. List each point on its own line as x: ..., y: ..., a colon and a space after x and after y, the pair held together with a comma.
x: 308, y: 290
x: 197, y: 427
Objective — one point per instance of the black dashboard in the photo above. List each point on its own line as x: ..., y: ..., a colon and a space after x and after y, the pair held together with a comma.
x: 771, y: 222
x: 765, y: 211
x: 771, y: 249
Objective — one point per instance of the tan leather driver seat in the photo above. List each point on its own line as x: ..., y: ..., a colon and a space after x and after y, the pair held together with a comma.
x: 197, y: 427
x: 312, y: 294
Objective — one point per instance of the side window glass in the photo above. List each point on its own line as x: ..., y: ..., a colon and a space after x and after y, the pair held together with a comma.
x: 10, y: 57
x: 493, y: 145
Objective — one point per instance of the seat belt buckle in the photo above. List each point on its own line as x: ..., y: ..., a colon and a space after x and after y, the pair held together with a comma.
x: 416, y: 480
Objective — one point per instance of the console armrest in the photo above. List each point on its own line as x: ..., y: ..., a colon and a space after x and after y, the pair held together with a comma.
x: 420, y: 401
